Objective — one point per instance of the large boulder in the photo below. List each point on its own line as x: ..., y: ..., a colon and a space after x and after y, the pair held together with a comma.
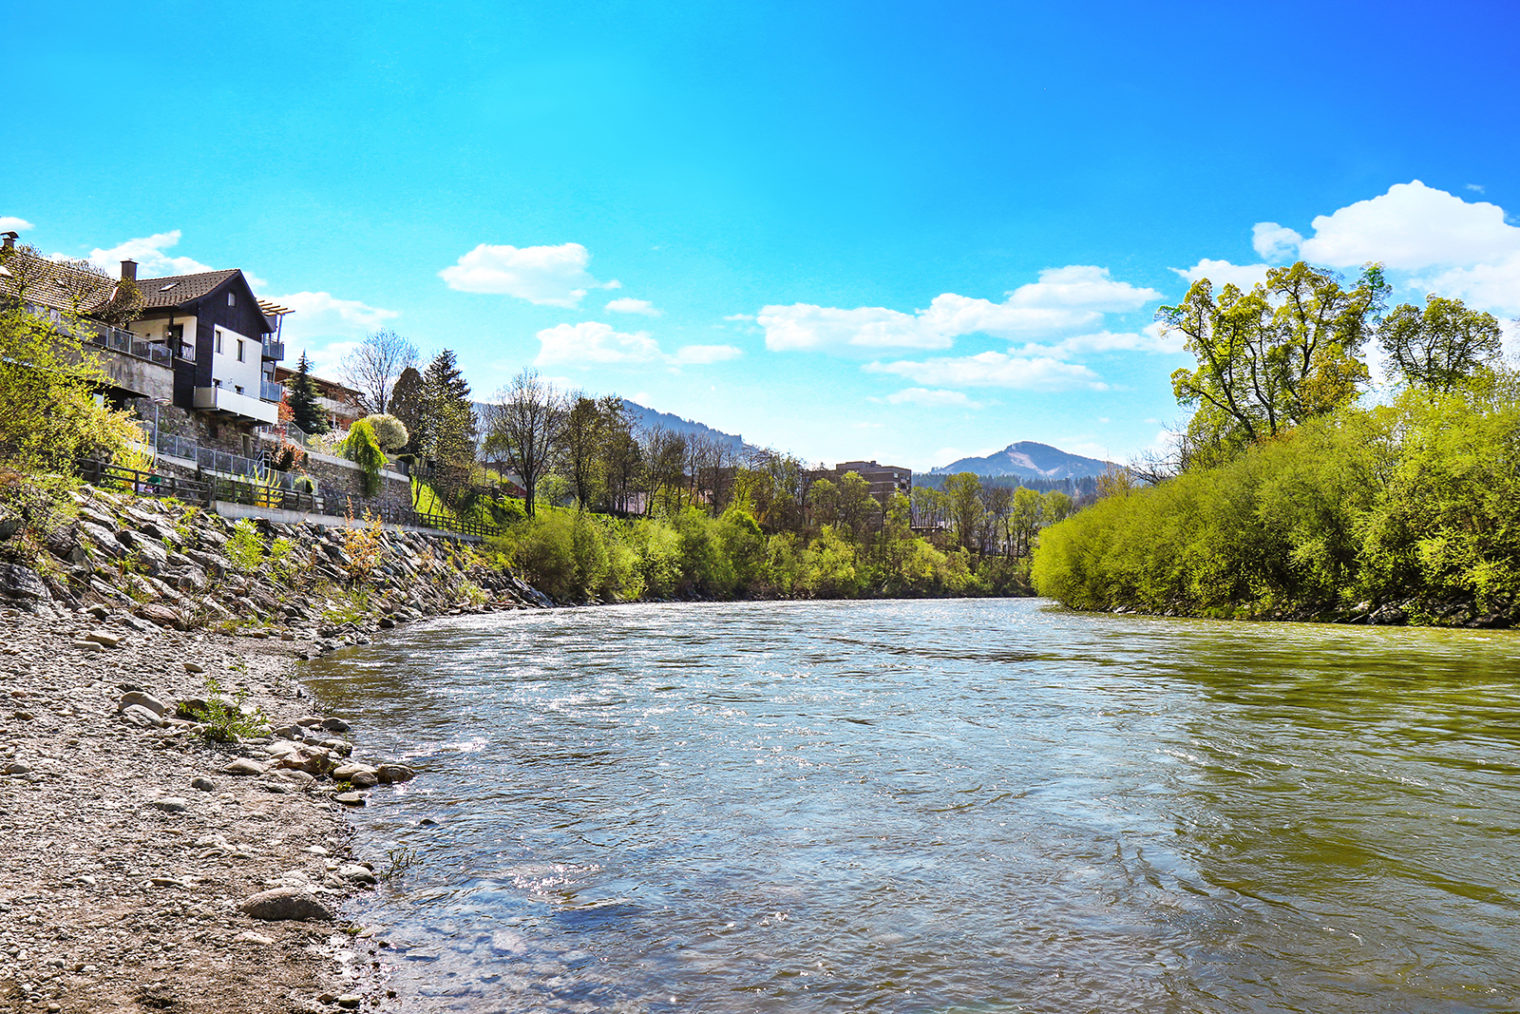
x: 21, y: 584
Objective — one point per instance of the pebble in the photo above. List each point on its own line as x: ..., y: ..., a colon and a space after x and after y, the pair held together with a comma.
x: 171, y: 804
x: 350, y: 798
x: 203, y: 783
x: 287, y: 903
x: 244, y: 767
x: 194, y: 668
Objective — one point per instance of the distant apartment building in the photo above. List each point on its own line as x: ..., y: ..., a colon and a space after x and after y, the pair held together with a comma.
x: 884, y: 479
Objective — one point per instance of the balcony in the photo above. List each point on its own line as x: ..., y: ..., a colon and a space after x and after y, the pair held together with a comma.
x: 222, y: 399
x: 270, y: 391
x: 274, y: 349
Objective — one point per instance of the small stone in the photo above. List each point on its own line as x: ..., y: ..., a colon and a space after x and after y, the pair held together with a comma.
x: 390, y: 774
x: 203, y: 783
x: 350, y: 1001
x: 335, y: 725
x: 194, y: 667
x: 171, y: 804
x: 360, y: 776
x: 167, y: 882
x: 243, y: 766
x: 18, y: 768
x: 350, y: 798
x: 356, y: 874
x: 255, y: 938
x: 83, y: 645
x: 139, y: 699
x: 283, y: 903
x: 105, y: 638
x: 138, y: 715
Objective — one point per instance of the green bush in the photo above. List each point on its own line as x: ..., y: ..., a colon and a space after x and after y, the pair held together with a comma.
x: 1417, y: 500
x: 362, y: 447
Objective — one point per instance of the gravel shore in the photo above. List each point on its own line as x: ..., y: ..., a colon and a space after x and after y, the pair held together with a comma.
x: 131, y: 850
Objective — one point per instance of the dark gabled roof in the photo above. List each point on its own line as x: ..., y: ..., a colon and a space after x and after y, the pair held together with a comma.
x: 177, y: 290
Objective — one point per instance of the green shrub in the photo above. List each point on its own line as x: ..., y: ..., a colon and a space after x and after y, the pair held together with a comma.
x: 362, y: 447
x: 245, y: 547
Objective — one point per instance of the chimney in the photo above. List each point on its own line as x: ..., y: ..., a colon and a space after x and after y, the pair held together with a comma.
x: 10, y: 239
x: 129, y: 271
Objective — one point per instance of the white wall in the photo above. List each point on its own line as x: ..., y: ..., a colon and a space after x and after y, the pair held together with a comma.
x: 226, y: 368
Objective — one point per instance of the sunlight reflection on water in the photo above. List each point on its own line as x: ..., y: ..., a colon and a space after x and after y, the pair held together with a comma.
x: 940, y: 806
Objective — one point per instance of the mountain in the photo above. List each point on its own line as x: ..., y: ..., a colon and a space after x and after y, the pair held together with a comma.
x: 645, y: 418
x: 1029, y: 460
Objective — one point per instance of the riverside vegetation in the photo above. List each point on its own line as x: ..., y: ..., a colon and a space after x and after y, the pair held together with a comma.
x: 1291, y: 497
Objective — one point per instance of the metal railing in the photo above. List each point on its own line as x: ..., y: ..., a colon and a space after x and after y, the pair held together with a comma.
x: 114, y: 338
x: 208, y: 491
x: 274, y: 349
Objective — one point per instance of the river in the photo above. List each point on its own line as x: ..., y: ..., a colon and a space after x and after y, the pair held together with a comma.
x: 967, y: 805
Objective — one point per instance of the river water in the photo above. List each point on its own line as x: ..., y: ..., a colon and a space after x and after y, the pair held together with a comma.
x: 963, y: 805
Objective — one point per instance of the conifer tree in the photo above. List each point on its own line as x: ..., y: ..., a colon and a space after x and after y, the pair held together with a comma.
x: 304, y: 411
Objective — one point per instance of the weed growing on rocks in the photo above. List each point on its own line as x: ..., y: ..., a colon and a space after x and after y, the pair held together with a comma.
x: 223, y: 719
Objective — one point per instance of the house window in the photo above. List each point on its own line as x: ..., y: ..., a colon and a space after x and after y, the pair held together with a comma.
x: 240, y: 350
x: 238, y: 388
x: 232, y: 299
x: 218, y: 341
x: 216, y: 383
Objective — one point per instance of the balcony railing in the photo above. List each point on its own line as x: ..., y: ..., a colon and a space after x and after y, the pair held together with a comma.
x: 114, y: 338
x: 270, y: 391
x: 274, y: 349
x: 222, y: 399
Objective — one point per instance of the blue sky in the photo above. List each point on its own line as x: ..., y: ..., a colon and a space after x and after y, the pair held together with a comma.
x: 901, y: 231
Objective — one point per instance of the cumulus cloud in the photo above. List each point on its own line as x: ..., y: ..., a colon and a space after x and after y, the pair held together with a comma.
x: 640, y: 306
x: 1064, y: 299
x: 1412, y: 227
x: 1148, y: 339
x: 545, y: 275
x: 10, y: 223
x: 1274, y: 242
x: 151, y: 254
x: 993, y: 369
x: 593, y: 343
x: 1223, y: 273
x: 931, y: 398
x: 326, y: 327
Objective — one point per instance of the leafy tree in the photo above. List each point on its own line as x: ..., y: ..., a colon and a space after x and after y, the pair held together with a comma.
x: 1441, y: 347
x: 301, y: 392
x: 363, y: 449
x: 582, y: 443
x: 963, y: 500
x: 374, y: 366
x: 522, y: 426
x: 1285, y: 352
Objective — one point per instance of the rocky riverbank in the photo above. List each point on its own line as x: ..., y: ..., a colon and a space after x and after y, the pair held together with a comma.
x: 172, y: 808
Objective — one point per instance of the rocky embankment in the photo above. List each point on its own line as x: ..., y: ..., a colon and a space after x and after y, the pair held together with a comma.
x: 171, y: 806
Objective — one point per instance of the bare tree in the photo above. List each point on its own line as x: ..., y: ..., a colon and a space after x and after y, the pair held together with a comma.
x: 374, y: 366
x: 522, y: 426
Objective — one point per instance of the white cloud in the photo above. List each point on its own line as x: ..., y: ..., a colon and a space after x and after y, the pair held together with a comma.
x: 1494, y: 287
x: 931, y: 398
x: 639, y: 306
x: 326, y: 327
x: 1410, y: 228
x: 151, y: 255
x: 993, y: 369
x: 704, y: 355
x: 804, y: 326
x: 593, y: 343
x: 1275, y: 242
x: 10, y: 223
x: 1148, y: 339
x: 1082, y: 285
x: 545, y: 275
x: 740, y: 317
x: 1223, y: 273
x: 1063, y: 300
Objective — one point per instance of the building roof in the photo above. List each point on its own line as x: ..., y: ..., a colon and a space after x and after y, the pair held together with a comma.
x: 177, y: 290
x: 55, y: 285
